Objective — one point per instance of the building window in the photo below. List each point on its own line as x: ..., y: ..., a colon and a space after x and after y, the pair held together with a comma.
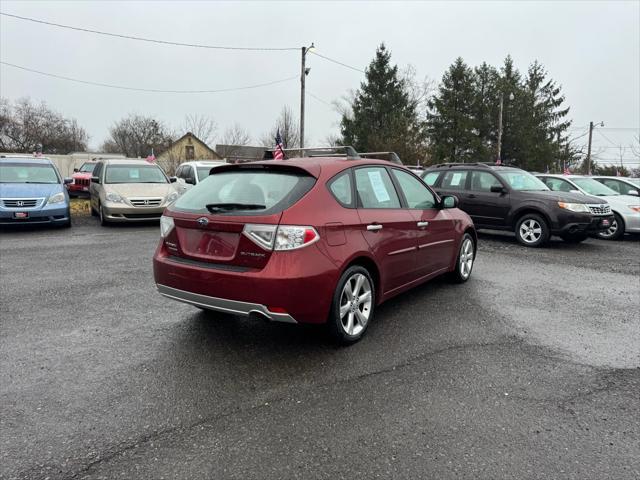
x: 189, y: 152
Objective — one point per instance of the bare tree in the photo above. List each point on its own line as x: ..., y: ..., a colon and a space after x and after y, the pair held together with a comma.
x: 24, y: 126
x: 289, y: 129
x: 137, y: 136
x: 201, y: 126
x: 234, y: 136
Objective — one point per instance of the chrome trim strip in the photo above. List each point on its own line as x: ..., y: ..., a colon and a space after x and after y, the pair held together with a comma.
x: 404, y: 250
x: 222, y: 304
x: 425, y: 245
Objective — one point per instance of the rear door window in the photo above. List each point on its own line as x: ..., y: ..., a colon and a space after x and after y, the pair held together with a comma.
x: 415, y: 193
x: 483, y: 181
x: 454, y: 180
x: 375, y: 188
x: 246, y: 191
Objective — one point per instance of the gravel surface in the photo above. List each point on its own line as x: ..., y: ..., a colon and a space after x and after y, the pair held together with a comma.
x: 529, y: 370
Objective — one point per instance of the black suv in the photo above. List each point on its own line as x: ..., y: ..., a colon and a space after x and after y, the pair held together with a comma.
x: 508, y: 198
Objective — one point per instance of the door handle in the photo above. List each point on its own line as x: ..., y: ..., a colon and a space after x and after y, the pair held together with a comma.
x: 374, y: 227
x: 423, y: 224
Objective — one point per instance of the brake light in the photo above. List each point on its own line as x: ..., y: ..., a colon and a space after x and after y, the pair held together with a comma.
x: 281, y: 237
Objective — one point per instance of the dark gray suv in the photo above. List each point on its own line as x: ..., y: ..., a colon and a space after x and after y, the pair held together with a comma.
x: 508, y: 198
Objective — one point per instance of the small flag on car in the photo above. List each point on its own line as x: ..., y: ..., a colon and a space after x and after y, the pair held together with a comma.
x: 498, y: 161
x: 151, y: 158
x: 566, y: 171
x: 278, y: 153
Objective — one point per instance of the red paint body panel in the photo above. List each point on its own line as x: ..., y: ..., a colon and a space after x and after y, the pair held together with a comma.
x: 218, y: 260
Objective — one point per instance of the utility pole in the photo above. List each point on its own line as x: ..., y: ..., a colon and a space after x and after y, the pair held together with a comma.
x: 589, y: 149
x: 499, y: 158
x: 304, y: 71
x: 591, y: 127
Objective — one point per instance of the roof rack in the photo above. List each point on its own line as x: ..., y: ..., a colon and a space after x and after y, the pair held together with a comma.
x: 474, y: 164
x: 390, y: 156
x: 338, y: 151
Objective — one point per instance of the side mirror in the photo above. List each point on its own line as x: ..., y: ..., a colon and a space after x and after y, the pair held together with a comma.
x: 95, y: 179
x: 449, y: 201
x: 498, y: 189
x: 68, y: 180
x: 190, y: 180
x: 173, y: 179
x: 634, y: 193
x: 76, y: 170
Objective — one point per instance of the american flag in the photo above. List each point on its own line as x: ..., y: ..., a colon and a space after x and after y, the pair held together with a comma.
x: 278, y: 153
x: 618, y: 174
x: 151, y: 158
x: 498, y: 161
x: 566, y: 171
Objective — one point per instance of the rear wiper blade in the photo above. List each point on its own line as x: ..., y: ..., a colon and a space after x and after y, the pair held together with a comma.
x: 218, y: 207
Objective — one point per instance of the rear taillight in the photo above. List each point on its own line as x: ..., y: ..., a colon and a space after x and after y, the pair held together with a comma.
x: 166, y: 225
x: 281, y: 237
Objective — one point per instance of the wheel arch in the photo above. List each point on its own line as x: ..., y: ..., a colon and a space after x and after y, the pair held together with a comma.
x: 518, y: 214
x: 372, y: 267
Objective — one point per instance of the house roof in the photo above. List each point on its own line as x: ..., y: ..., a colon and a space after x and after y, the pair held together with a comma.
x: 190, y: 134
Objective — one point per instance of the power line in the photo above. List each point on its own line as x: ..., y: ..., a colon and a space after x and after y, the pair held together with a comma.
x: 144, y: 39
x: 320, y: 100
x: 608, y: 139
x: 337, y: 62
x: 150, y: 90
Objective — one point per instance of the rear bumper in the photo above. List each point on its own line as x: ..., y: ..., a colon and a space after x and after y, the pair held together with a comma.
x: 298, y: 285
x: 224, y: 305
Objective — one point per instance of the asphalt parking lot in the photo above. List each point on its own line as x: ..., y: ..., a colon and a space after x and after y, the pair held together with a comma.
x: 530, y: 370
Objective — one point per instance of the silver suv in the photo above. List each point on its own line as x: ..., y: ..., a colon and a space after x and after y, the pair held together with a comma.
x: 192, y: 173
x: 127, y: 190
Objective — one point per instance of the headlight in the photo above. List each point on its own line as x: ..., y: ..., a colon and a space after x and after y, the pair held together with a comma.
x: 57, y: 198
x: 635, y: 208
x: 172, y: 197
x: 113, y: 197
x: 166, y: 225
x: 574, y: 207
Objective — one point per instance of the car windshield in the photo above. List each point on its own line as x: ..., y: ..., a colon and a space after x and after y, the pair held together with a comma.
x: 593, y: 187
x: 521, y: 180
x: 134, y: 174
x: 258, y: 192
x: 203, y: 172
x: 87, y: 167
x: 28, y: 173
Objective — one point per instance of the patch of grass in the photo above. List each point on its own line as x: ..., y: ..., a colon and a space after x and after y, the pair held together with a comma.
x: 80, y: 207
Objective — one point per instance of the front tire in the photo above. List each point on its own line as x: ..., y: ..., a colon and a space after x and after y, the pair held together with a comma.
x: 466, y: 257
x: 615, y: 231
x: 352, y: 305
x: 103, y: 219
x: 532, y: 230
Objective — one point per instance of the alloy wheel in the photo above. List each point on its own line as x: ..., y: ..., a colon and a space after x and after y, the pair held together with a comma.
x: 530, y: 231
x: 466, y: 258
x: 611, y: 231
x: 355, y: 304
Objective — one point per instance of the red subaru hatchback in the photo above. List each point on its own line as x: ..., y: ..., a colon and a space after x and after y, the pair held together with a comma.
x: 309, y: 240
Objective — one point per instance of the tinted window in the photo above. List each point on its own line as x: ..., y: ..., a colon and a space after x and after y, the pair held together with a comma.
x: 275, y: 190
x: 341, y: 188
x: 134, y: 174
x: 613, y: 185
x: 417, y: 195
x: 203, y: 172
x: 455, y: 180
x: 97, y: 170
x: 431, y: 178
x: 592, y: 187
x: 27, y: 173
x: 188, y: 172
x: 375, y: 188
x: 179, y: 171
x: 483, y: 181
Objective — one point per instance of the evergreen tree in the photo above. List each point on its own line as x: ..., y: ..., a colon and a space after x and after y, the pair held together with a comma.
x: 485, y: 111
x: 383, y: 116
x: 452, y: 126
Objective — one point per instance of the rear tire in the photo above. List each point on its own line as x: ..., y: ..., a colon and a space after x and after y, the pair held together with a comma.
x: 574, y: 237
x: 352, y: 306
x: 466, y: 258
x: 532, y: 230
x: 615, y: 232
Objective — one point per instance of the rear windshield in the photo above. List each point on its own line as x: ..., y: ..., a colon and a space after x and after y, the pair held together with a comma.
x: 28, y: 173
x: 134, y: 174
x: 261, y: 192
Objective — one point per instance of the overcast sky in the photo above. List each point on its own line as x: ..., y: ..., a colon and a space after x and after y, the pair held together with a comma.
x: 591, y: 48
